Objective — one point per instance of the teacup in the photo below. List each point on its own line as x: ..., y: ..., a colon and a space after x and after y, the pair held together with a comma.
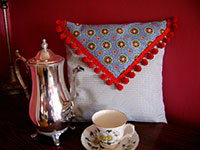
x: 110, y: 126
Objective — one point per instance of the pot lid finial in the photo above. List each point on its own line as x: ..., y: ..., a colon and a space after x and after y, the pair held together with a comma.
x: 44, y: 45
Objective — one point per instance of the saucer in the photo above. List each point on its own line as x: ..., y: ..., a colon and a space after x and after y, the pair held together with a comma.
x: 90, y: 142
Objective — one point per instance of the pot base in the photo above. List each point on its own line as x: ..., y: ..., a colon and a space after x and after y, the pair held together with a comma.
x: 55, y: 135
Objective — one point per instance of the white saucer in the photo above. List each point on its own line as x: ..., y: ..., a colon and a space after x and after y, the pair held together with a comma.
x: 90, y: 142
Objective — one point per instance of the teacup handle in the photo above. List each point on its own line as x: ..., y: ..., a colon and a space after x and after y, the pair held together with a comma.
x: 128, y: 134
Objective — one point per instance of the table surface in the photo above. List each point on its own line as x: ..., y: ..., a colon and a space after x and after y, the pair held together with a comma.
x: 16, y: 128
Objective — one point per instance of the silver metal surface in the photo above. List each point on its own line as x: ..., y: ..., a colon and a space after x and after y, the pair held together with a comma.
x: 50, y: 101
x: 44, y: 45
x: 51, y: 106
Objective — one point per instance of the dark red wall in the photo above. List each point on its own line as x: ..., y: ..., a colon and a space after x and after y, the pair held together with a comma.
x: 33, y: 20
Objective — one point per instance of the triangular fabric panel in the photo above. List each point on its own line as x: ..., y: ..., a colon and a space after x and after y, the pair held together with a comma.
x: 116, y: 51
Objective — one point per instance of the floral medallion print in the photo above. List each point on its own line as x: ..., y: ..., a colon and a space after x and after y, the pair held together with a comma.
x: 123, y: 59
x: 91, y: 46
x: 134, y: 31
x: 76, y: 33
x: 136, y: 43
x: 106, y: 45
x: 108, y: 59
x: 149, y: 30
x: 90, y: 32
x: 105, y: 31
x: 119, y: 30
x: 121, y: 44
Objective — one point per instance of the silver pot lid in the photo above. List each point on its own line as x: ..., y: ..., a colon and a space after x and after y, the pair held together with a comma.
x: 45, y: 56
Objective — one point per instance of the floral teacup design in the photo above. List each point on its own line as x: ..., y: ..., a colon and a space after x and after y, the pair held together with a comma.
x: 110, y: 126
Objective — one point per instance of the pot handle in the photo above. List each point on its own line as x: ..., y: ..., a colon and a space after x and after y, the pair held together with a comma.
x: 17, y: 71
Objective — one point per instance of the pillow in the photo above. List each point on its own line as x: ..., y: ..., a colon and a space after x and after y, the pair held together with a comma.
x: 123, y: 67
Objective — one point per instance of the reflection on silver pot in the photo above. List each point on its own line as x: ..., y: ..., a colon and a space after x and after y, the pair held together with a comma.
x: 51, y: 106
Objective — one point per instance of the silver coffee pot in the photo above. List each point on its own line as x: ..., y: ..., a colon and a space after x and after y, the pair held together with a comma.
x: 51, y: 106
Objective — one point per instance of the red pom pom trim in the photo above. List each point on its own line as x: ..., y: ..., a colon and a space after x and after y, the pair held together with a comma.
x: 64, y: 22
x: 144, y: 62
x: 174, y: 27
x: 120, y: 87
x: 91, y: 65
x: 154, y: 51
x: 85, y: 59
x: 138, y: 68
x: 125, y: 80
x: 58, y: 22
x: 78, y: 52
x: 63, y: 36
x: 97, y: 70
x: 109, y: 82
x: 166, y: 40
x: 72, y: 46
x: 68, y: 41
x: 104, y: 77
x: 131, y: 74
x: 59, y: 29
x: 161, y: 45
x: 92, y: 61
x: 150, y: 56
x: 171, y: 34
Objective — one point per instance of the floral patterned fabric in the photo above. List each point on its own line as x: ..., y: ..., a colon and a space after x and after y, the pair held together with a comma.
x: 116, y: 50
x: 117, y: 46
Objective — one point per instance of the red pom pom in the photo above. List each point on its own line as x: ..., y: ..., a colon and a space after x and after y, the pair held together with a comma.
x: 131, y: 74
x: 175, y: 19
x: 78, y: 52
x: 137, y: 68
x: 170, y: 34
x: 62, y: 36
x: 103, y: 77
x: 169, y: 23
x: 72, y: 46
x: 91, y: 65
x: 85, y: 59
x: 125, y: 80
x: 120, y: 87
x: 64, y: 22
x: 97, y: 70
x: 174, y: 27
x: 109, y: 82
x: 58, y: 29
x: 58, y: 22
x: 154, y: 51
x: 144, y: 62
x: 150, y: 56
x: 67, y: 41
x: 160, y: 45
x: 166, y: 40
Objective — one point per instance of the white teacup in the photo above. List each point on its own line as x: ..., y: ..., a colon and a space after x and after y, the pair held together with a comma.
x: 110, y: 126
